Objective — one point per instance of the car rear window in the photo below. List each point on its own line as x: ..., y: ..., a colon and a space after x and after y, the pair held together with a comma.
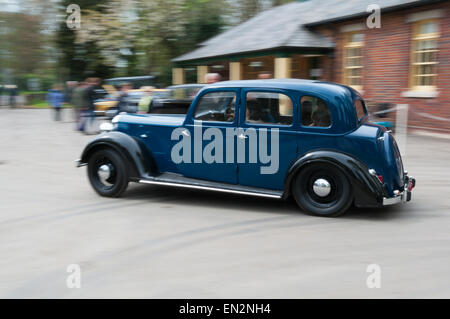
x: 315, y: 112
x: 360, y: 109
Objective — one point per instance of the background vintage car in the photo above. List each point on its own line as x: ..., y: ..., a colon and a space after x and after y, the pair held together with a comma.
x: 176, y: 99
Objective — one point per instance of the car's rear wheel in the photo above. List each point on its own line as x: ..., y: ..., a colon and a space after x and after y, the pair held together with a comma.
x: 322, y: 190
x: 107, y: 173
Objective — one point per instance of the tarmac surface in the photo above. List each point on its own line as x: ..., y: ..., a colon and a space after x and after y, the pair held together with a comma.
x: 161, y: 242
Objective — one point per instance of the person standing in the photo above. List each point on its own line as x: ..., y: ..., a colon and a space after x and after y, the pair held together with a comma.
x: 91, y: 95
x: 78, y: 102
x: 122, y: 106
x: 68, y: 94
x: 70, y: 87
x: 211, y: 78
x: 12, y: 96
x: 265, y: 75
x: 56, y: 98
x: 146, y: 100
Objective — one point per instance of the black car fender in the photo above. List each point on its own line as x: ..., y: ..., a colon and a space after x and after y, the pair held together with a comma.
x: 138, y: 158
x: 367, y: 190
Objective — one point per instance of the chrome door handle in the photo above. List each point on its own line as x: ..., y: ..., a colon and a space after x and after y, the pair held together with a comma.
x: 186, y: 133
x: 242, y: 136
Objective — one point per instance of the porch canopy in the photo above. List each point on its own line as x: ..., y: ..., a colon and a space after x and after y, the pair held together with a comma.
x: 276, y: 34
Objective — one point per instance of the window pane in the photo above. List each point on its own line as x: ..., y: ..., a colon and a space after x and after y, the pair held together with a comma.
x: 216, y: 106
x: 268, y: 108
x: 425, y: 57
x: 428, y: 27
x: 355, y: 72
x: 314, y: 112
x: 357, y: 37
x: 360, y: 109
x: 353, y: 62
x: 426, y: 44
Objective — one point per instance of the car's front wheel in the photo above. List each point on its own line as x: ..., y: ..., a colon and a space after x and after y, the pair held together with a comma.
x: 322, y: 190
x: 107, y: 173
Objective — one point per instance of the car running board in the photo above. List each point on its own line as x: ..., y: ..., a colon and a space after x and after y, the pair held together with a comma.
x: 175, y: 180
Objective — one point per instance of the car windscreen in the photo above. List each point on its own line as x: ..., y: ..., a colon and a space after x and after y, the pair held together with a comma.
x: 161, y: 95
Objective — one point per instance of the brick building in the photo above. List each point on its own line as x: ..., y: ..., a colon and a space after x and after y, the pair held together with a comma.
x: 405, y: 61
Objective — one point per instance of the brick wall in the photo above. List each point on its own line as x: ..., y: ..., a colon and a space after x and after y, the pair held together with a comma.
x: 387, y: 54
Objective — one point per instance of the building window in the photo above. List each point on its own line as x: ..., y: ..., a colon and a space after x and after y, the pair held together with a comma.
x: 424, y: 55
x: 353, y: 64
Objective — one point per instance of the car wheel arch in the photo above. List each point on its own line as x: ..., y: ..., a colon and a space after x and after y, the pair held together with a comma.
x: 130, y: 164
x: 139, y: 160
x: 367, y: 191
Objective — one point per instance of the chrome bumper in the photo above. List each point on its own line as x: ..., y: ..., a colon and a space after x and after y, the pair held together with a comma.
x: 394, y: 200
x: 404, y: 196
x: 78, y: 163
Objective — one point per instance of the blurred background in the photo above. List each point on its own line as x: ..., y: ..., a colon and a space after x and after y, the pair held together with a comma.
x: 116, y: 38
x: 396, y: 56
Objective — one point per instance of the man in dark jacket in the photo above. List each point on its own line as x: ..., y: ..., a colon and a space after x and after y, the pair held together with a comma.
x: 91, y: 94
x: 122, y: 106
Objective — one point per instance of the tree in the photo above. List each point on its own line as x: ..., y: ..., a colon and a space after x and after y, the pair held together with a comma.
x: 79, y: 60
x: 141, y: 37
x: 244, y: 10
x: 281, y: 2
x: 22, y: 49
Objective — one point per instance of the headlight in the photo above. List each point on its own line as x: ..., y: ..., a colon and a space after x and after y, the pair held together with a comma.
x: 106, y: 127
x: 115, y: 119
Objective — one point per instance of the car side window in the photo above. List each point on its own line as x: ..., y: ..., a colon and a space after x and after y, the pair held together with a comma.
x: 268, y: 108
x: 360, y: 109
x: 216, y: 107
x: 315, y: 112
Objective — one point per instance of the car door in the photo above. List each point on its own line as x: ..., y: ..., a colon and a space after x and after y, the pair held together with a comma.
x: 268, y: 127
x: 211, y: 125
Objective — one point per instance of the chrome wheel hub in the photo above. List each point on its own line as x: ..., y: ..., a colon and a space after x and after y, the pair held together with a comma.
x: 322, y: 187
x: 104, y: 173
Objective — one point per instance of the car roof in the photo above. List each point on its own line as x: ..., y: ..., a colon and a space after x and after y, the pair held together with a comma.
x: 339, y: 96
x: 313, y: 86
x: 182, y: 86
x: 143, y: 77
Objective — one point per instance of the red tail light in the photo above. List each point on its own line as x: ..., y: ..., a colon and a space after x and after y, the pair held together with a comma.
x: 380, y: 178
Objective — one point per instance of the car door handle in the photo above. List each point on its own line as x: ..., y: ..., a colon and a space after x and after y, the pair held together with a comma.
x: 242, y: 136
x: 186, y: 133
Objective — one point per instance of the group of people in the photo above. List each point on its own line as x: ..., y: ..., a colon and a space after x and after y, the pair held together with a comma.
x: 81, y: 95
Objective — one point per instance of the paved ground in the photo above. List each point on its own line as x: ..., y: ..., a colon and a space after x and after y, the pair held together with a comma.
x: 162, y: 242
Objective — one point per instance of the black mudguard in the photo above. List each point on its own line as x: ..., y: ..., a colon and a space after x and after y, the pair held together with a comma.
x: 367, y: 190
x: 138, y: 158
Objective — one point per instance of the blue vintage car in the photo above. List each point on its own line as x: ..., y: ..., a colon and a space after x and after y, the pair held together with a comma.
x: 274, y: 138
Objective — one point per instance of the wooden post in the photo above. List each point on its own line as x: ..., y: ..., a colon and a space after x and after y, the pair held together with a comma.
x: 202, y: 70
x: 282, y: 68
x: 235, y: 71
x: 177, y: 76
x: 283, y: 71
